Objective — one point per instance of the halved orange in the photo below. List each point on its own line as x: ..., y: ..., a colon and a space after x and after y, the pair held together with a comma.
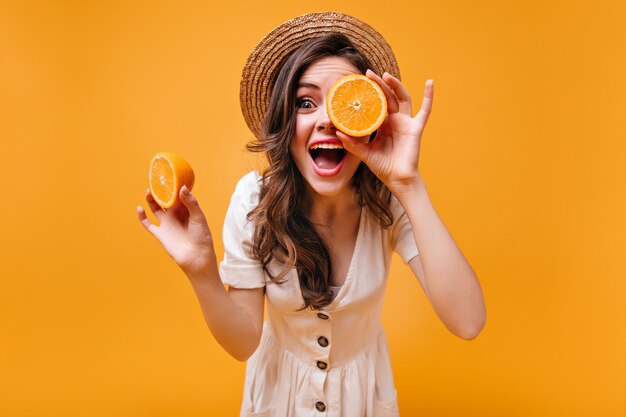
x: 168, y: 174
x: 356, y: 105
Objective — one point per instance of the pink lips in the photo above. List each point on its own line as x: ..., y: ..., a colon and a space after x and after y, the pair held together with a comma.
x: 327, y: 172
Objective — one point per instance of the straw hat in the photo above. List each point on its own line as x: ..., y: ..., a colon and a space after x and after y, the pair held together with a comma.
x: 268, y: 56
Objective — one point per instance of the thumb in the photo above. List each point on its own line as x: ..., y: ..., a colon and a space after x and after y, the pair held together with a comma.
x: 354, y: 146
x: 190, y: 201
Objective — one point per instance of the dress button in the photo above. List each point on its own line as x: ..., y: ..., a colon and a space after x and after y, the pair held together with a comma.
x: 322, y: 316
x: 322, y: 341
x: 322, y: 365
x: 320, y: 406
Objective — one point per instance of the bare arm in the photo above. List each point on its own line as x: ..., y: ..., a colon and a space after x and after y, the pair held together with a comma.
x: 443, y: 271
x: 234, y: 318
x: 447, y: 278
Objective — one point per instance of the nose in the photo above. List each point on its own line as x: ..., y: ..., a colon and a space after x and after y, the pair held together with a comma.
x: 324, y: 123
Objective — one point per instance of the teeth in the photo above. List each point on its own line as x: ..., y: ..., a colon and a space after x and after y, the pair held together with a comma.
x: 326, y: 146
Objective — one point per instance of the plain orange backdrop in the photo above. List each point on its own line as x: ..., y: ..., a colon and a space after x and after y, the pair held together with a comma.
x: 523, y: 157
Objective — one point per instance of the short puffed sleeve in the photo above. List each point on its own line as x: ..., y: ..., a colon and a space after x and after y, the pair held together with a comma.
x: 239, y: 269
x: 402, y: 240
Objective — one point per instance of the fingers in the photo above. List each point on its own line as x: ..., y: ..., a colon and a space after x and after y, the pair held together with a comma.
x: 401, y: 93
x: 354, y: 146
x: 392, y: 101
x: 190, y: 201
x: 147, y: 224
x: 154, y: 206
x: 427, y: 102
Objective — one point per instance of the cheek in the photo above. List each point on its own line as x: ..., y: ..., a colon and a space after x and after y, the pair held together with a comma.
x: 297, y: 146
x: 294, y: 144
x: 301, y: 135
x: 304, y: 125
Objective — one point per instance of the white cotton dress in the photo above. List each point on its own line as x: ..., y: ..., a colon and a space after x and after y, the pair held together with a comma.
x: 332, y: 362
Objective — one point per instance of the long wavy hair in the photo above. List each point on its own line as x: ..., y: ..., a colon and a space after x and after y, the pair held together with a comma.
x: 282, y: 231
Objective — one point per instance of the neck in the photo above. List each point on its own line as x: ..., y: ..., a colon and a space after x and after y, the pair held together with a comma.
x: 325, y: 210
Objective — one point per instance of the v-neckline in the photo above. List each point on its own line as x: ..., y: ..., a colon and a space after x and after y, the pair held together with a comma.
x: 355, y: 254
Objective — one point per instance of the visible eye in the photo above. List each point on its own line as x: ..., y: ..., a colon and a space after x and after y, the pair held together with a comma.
x: 305, y: 103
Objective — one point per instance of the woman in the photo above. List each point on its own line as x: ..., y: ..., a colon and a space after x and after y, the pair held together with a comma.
x: 314, y: 234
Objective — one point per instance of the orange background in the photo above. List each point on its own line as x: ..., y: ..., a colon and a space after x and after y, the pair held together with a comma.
x: 523, y: 157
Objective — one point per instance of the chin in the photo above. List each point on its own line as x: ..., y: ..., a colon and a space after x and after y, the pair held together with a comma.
x: 328, y: 190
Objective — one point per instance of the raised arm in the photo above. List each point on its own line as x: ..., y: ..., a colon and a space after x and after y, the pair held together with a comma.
x: 234, y: 317
x: 446, y: 276
x: 443, y: 271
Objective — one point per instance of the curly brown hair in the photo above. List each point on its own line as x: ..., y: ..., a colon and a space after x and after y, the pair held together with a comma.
x: 282, y: 230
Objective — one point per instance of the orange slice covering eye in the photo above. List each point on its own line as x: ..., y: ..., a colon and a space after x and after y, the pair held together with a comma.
x: 356, y: 105
x: 168, y: 174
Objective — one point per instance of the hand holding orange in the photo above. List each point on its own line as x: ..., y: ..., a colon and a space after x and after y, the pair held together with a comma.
x: 168, y: 174
x: 182, y: 229
x: 356, y: 105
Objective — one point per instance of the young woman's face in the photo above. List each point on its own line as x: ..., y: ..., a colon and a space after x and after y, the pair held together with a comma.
x: 315, y: 148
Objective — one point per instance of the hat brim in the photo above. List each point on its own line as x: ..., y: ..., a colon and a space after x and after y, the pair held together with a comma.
x: 268, y: 56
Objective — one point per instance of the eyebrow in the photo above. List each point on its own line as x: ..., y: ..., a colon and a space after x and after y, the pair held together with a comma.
x: 308, y: 85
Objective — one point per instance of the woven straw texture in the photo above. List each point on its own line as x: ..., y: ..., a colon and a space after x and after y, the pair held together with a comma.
x: 268, y: 56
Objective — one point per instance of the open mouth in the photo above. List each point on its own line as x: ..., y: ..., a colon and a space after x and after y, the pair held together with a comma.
x: 327, y: 157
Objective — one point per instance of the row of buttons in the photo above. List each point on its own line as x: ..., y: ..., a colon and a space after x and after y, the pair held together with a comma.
x: 323, y: 342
